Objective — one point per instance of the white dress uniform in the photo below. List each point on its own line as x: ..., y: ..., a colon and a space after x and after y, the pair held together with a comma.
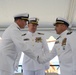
x: 37, y: 43
x: 65, y: 48
x: 16, y: 63
x: 12, y: 39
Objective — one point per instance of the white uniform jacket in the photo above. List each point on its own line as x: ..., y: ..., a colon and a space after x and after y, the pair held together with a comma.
x: 37, y: 43
x: 16, y: 63
x: 65, y: 48
x: 12, y: 39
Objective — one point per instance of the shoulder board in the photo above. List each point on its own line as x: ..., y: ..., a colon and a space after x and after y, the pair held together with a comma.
x: 23, y: 34
x: 58, y: 37
x: 18, y: 28
x: 41, y: 33
x: 56, y: 42
x: 69, y: 33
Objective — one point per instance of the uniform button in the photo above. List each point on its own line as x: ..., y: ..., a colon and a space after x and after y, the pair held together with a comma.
x: 58, y: 48
x: 60, y: 61
x: 32, y: 45
x: 58, y: 54
x: 32, y: 40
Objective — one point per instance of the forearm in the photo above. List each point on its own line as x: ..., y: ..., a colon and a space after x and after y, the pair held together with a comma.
x: 45, y: 58
x: 30, y: 54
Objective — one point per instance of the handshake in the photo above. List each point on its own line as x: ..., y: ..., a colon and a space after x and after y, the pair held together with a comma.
x: 43, y: 58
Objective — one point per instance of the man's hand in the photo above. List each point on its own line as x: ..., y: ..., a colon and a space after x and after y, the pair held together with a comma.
x: 44, y: 58
x: 41, y: 59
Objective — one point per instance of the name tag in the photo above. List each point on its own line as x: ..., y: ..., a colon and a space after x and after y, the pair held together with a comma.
x: 26, y: 39
x: 56, y: 42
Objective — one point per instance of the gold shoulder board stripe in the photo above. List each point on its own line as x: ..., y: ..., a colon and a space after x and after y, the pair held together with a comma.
x: 69, y: 33
x: 23, y: 34
x: 41, y: 33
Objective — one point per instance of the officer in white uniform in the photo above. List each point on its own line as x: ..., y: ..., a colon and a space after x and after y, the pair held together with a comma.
x: 65, y: 48
x: 16, y: 63
x: 37, y: 43
x: 12, y: 39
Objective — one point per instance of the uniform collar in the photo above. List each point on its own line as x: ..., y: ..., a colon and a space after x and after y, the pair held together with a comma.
x: 63, y: 34
x: 30, y: 33
x: 17, y: 26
